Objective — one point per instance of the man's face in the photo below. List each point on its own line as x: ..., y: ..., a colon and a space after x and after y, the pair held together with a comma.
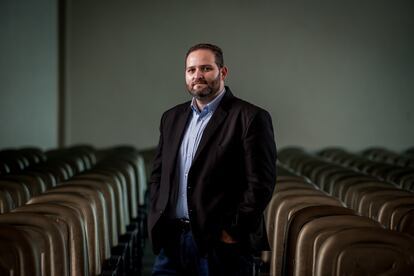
x: 204, y: 79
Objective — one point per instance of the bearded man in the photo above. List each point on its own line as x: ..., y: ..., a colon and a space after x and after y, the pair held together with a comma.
x: 213, y: 175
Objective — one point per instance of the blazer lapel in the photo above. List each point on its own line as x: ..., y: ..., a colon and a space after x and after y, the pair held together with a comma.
x: 179, y: 129
x: 218, y: 117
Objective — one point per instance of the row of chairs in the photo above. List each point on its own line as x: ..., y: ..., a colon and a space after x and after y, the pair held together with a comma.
x: 383, y: 155
x: 74, y: 211
x: 312, y: 232
x: 389, y: 167
x: 370, y: 196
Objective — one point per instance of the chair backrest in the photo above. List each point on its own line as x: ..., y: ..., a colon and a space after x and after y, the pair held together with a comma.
x: 287, y: 205
x: 294, y: 178
x: 19, y: 193
x: 296, y: 223
x: 120, y: 179
x: 322, y: 176
x: 388, y: 208
x: 372, y: 195
x: 109, y: 199
x: 398, y: 214
x: 339, y: 185
x: 407, y: 183
x: 332, y: 180
x: 289, y: 185
x: 310, y: 234
x: 53, y: 233
x: 124, y: 172
x: 406, y: 223
x: 121, y: 206
x: 87, y: 209
x: 19, y: 255
x: 347, y: 191
x: 270, y: 212
x: 351, y: 251
x: 6, y: 201
x: 96, y: 197
x: 34, y: 184
x: 76, y: 229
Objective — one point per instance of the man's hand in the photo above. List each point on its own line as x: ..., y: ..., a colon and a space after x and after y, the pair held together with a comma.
x: 226, y: 238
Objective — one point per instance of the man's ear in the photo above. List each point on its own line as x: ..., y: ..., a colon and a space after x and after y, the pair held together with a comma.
x: 223, y: 72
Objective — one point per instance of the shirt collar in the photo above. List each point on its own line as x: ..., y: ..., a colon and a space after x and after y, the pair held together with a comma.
x: 210, y: 107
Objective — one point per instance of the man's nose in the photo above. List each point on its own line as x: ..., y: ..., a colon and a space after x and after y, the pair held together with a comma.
x: 198, y: 74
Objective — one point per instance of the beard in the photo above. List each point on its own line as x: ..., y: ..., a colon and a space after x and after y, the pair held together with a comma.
x: 206, y: 89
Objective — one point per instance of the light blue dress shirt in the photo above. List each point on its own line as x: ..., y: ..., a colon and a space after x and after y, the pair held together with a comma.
x: 189, y: 145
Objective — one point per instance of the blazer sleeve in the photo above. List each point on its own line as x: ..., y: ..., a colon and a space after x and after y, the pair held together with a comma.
x: 260, y: 173
x: 157, y: 165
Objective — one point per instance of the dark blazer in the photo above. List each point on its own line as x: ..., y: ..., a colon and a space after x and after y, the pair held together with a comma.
x: 231, y: 178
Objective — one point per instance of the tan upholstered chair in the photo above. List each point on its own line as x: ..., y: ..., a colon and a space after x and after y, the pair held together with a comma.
x: 316, y: 230
x: 366, y: 251
x: 285, y: 204
x: 87, y: 210
x: 19, y: 255
x: 51, y: 237
x: 76, y: 232
x: 297, y: 222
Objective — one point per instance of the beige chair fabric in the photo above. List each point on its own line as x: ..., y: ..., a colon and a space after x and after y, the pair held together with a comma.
x: 351, y: 251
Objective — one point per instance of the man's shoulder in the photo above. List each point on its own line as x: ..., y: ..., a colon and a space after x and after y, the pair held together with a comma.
x: 177, y: 108
x: 244, y: 106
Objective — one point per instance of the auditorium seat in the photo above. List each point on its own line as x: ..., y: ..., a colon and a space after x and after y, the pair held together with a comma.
x: 120, y: 202
x: 296, y: 223
x: 101, y: 208
x: 76, y: 232
x: 20, y: 194
x: 127, y: 174
x: 387, y: 156
x: 49, y: 235
x: 34, y: 184
x: 281, y: 208
x: 314, y: 231
x: 14, y: 160
x: 349, y: 192
x: 339, y: 187
x: 19, y: 255
x: 4, y: 168
x: 6, y: 201
x: 388, y: 209
x: 33, y: 155
x: 407, y: 183
x: 406, y: 223
x: 108, y: 199
x: 289, y: 184
x: 334, y: 183
x: 369, y: 202
x: 98, y: 195
x: 351, y: 251
x: 87, y: 211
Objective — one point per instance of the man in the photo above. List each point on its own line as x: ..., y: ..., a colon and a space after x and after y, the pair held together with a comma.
x: 213, y: 175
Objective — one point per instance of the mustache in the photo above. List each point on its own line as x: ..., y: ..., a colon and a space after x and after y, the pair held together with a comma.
x: 199, y: 82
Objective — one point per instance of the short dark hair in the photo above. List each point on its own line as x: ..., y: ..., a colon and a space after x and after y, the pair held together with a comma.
x: 218, y: 53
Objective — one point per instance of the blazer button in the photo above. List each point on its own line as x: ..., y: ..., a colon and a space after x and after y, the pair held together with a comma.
x: 161, y: 212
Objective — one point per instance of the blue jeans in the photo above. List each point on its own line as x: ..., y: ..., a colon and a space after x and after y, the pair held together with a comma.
x: 184, y: 259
